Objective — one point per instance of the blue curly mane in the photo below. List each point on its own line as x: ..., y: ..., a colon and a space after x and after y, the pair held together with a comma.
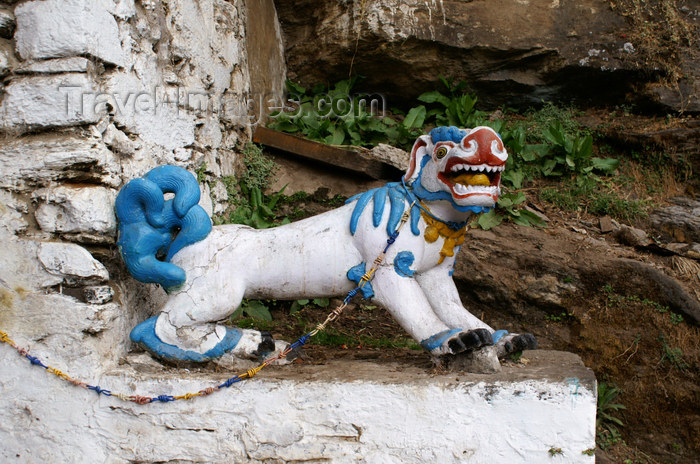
x: 152, y: 230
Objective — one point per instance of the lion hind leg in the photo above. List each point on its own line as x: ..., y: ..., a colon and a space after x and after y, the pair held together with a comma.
x: 187, y: 330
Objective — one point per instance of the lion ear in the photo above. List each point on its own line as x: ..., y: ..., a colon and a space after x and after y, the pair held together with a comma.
x: 420, y: 148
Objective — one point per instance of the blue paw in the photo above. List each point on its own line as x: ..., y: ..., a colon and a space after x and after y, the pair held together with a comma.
x: 145, y: 336
x: 437, y: 340
x: 497, y: 335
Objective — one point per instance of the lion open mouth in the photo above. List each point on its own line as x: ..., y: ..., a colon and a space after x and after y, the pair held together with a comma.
x: 468, y: 179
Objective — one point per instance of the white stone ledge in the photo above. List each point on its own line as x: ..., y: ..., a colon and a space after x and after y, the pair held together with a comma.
x: 343, y: 411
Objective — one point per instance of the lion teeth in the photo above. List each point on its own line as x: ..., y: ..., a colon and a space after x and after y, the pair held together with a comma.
x: 460, y: 189
x: 476, y: 168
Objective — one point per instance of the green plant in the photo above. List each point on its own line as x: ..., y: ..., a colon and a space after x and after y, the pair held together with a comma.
x: 616, y: 299
x: 563, y: 316
x: 572, y: 153
x: 254, y: 308
x: 200, y: 172
x: 456, y: 108
x: 335, y: 337
x: 259, y: 167
x: 594, y: 196
x: 554, y: 451
x: 606, y: 421
x: 672, y: 355
x: 299, y: 304
x: 515, y: 356
x: 507, y: 207
x: 589, y: 452
x: 337, y: 116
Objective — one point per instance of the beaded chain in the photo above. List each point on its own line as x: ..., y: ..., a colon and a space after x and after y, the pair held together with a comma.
x: 250, y: 373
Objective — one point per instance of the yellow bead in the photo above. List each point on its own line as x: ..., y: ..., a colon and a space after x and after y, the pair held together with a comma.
x: 431, y: 234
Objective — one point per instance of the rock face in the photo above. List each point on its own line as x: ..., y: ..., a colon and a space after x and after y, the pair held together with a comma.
x: 510, y: 53
x: 679, y: 222
x: 44, y: 102
x: 529, y: 271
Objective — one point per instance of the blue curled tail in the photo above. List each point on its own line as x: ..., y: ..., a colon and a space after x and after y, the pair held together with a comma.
x: 152, y: 230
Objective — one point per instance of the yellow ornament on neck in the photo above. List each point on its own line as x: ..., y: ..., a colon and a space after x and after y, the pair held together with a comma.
x: 435, y: 229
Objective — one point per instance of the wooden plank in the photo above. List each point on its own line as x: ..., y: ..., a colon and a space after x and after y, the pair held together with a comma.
x: 334, y: 156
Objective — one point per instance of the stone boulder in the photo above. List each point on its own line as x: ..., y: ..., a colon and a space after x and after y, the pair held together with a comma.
x: 71, y: 264
x: 679, y: 222
x: 510, y: 53
x: 74, y: 210
x: 41, y: 160
x: 57, y: 28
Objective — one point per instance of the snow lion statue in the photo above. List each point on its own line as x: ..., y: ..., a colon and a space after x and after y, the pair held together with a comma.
x: 207, y: 271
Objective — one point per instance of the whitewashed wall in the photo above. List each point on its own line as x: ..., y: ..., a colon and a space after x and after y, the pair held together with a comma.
x: 95, y: 93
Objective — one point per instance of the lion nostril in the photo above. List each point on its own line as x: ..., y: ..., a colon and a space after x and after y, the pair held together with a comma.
x: 470, y: 147
x: 498, y: 149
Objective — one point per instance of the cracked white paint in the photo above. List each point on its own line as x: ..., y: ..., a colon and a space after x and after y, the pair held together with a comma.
x: 371, y: 416
x: 57, y: 28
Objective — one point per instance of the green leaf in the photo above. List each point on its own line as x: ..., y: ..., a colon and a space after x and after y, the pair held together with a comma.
x: 295, y: 88
x: 489, y: 220
x: 297, y: 305
x: 516, y: 178
x: 445, y: 83
x: 285, y: 126
x: 520, y: 219
x: 533, y: 219
x: 586, y: 147
x: 258, y: 310
x: 322, y: 302
x: 337, y: 137
x: 415, y: 117
x: 434, y: 97
x: 548, y: 167
x: 605, y: 164
x: 555, y: 134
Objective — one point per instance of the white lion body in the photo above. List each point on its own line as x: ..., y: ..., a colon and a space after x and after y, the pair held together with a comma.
x: 308, y: 259
x: 452, y: 173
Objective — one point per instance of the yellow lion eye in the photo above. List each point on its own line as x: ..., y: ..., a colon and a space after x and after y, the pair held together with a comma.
x: 441, y: 152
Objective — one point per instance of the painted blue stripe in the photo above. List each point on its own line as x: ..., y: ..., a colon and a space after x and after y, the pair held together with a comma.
x: 397, y: 200
x: 402, y: 264
x: 355, y: 274
x: 415, y: 218
x: 438, y: 339
x: 379, y: 203
x: 359, y: 208
x: 497, y: 335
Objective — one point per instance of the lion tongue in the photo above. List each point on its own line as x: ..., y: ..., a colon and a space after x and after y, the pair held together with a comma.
x: 471, y: 179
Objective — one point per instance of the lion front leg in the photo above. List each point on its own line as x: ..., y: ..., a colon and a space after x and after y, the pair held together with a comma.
x: 405, y: 300
x: 441, y: 292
